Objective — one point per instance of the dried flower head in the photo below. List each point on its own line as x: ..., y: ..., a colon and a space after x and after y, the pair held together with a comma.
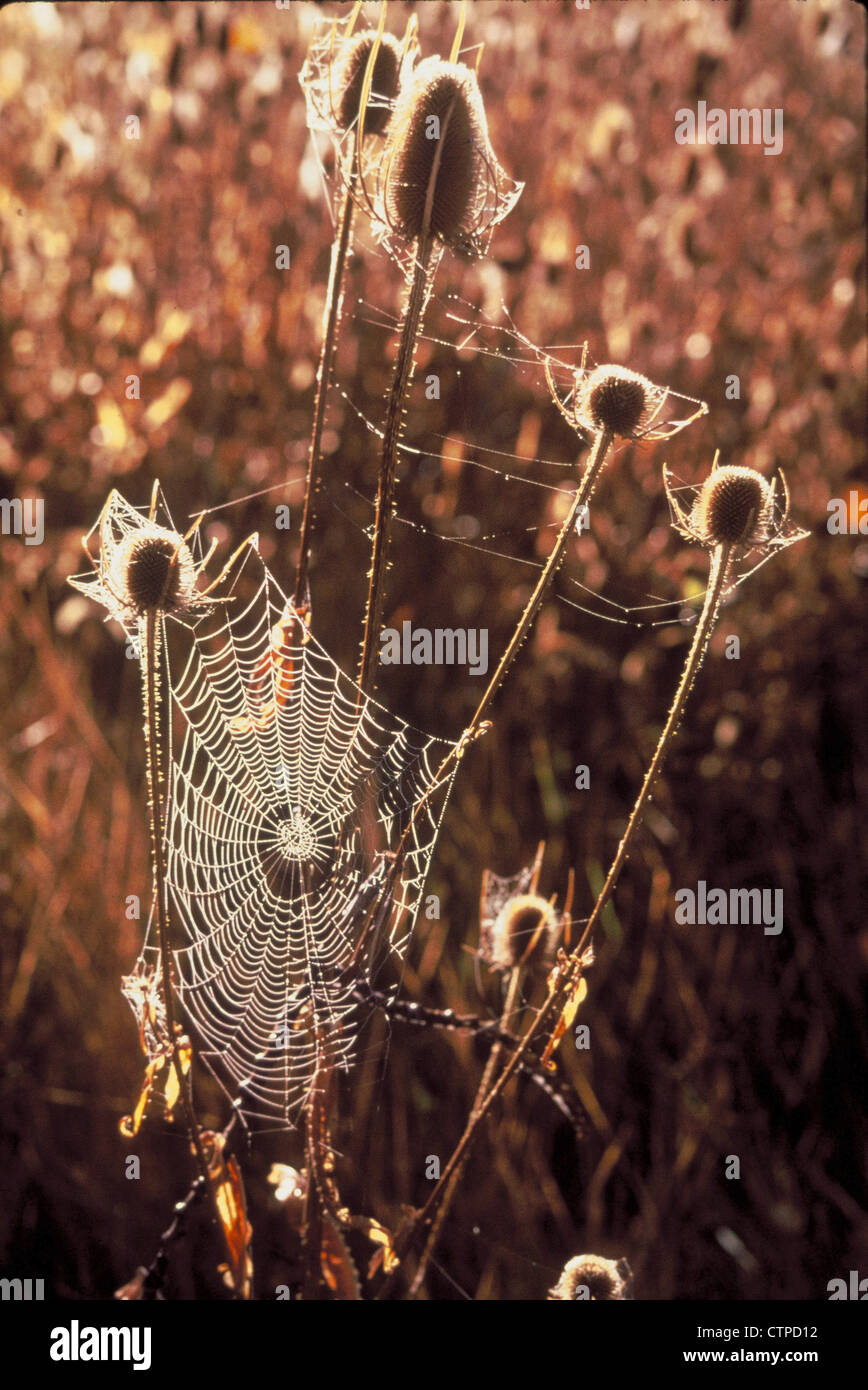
x: 439, y: 175
x: 333, y: 76
x: 153, y: 569
x: 525, y: 929
x: 735, y: 505
x: 143, y: 566
x: 516, y: 924
x: 616, y: 399
x: 590, y: 1277
x: 350, y: 77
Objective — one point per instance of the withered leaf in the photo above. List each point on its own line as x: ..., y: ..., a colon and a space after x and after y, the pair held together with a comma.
x: 232, y: 1209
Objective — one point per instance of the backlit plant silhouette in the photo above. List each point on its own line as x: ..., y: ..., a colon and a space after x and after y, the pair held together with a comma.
x: 292, y: 831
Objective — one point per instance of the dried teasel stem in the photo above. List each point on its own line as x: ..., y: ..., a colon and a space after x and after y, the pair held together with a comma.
x: 565, y: 980
x: 735, y: 506
x: 596, y: 460
x: 152, y: 622
x: 720, y: 563
x: 560, y: 990
x: 593, y: 468
x: 488, y: 1075
x: 437, y: 179
x: 519, y: 937
x: 372, y: 59
x: 326, y: 361
x: 389, y: 461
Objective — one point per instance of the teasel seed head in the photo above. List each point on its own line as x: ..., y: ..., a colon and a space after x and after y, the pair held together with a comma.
x: 152, y: 569
x: 438, y: 156
x: 350, y: 78
x: 734, y: 506
x: 614, y: 398
x: 523, y: 931
x: 602, y: 1278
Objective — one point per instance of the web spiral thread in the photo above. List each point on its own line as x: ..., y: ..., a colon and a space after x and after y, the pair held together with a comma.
x: 300, y: 828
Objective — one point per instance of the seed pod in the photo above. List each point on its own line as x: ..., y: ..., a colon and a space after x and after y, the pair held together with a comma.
x: 438, y: 160
x: 602, y: 1279
x: 616, y: 399
x: 523, y: 930
x: 350, y: 78
x: 152, y: 568
x: 734, y: 505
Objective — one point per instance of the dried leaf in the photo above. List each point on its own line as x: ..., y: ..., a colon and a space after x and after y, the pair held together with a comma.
x: 232, y: 1209
x: 568, y: 1013
x: 172, y: 1091
x: 131, y: 1124
x: 384, y: 1257
x: 161, y: 1069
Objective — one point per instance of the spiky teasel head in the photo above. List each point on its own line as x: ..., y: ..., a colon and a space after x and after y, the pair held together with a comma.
x: 735, y: 506
x: 590, y: 1277
x: 616, y: 399
x: 525, y: 930
x: 440, y: 174
x: 349, y: 80
x: 152, y: 570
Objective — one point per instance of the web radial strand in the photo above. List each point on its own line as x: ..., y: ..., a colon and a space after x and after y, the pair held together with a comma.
x: 291, y: 795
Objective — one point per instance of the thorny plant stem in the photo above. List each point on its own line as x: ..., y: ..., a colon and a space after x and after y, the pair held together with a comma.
x: 716, y: 584
x: 569, y: 976
x: 151, y: 683
x: 340, y: 248
x: 596, y: 459
x: 154, y: 1275
x: 388, y: 465
x: 487, y: 1078
x: 593, y: 467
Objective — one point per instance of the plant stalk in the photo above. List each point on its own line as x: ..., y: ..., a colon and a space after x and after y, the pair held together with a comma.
x: 716, y: 584
x: 340, y: 248
x: 487, y: 1078
x: 392, y: 431
x: 593, y: 468
x: 559, y: 993
x: 151, y: 689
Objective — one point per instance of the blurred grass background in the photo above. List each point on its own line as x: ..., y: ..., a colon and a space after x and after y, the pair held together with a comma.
x: 156, y: 257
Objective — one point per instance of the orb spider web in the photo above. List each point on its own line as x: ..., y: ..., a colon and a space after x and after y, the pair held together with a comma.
x: 301, y: 818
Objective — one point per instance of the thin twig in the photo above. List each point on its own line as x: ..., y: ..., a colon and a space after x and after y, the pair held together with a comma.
x: 392, y: 430
x: 702, y: 635
x: 482, y: 1090
x: 340, y: 248
x: 593, y: 468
